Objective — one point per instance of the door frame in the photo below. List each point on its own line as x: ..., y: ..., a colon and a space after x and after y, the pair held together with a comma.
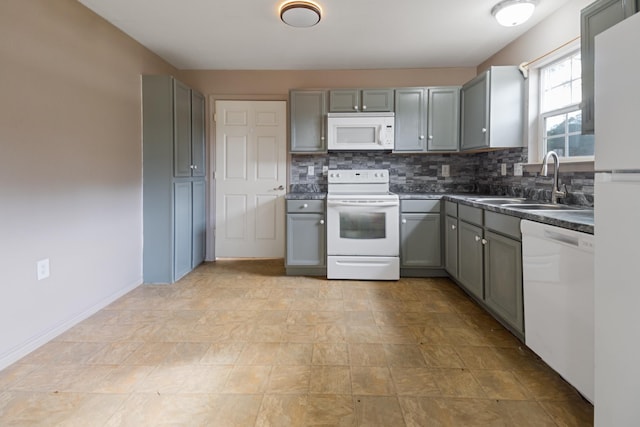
x: 211, y: 160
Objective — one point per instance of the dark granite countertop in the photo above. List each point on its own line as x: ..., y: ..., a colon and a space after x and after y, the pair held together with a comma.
x: 306, y: 196
x: 578, y: 219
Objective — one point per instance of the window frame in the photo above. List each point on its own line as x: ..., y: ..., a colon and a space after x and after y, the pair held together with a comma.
x: 537, y: 131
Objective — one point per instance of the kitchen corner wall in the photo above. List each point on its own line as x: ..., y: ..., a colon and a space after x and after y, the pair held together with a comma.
x: 421, y: 173
x: 70, y: 167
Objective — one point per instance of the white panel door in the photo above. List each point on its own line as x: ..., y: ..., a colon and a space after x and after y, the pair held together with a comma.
x: 250, y: 178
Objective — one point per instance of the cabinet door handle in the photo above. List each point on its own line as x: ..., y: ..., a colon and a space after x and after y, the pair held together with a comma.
x: 364, y: 107
x: 421, y: 137
x: 430, y: 137
x: 280, y: 188
x: 484, y: 241
x: 484, y: 130
x: 322, y: 138
x: 404, y: 221
x: 477, y: 238
x: 322, y: 222
x: 453, y: 227
x: 304, y: 206
x: 355, y: 107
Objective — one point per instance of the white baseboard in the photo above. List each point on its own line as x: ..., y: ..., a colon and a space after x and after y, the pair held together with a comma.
x: 35, y: 342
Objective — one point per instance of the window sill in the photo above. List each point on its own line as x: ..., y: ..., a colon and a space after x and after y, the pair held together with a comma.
x: 566, y: 165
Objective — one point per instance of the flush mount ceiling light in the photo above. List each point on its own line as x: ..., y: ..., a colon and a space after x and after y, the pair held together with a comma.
x: 510, y: 13
x: 300, y: 13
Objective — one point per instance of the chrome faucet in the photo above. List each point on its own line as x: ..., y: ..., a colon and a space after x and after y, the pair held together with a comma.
x: 555, y: 189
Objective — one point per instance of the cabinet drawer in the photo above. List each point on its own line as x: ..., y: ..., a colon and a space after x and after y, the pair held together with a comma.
x: 451, y: 209
x: 300, y: 206
x: 470, y: 214
x: 503, y: 224
x: 420, y: 206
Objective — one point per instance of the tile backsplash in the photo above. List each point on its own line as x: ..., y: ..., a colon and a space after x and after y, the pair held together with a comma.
x: 422, y: 173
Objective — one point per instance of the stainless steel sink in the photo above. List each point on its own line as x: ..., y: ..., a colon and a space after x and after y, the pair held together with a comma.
x: 537, y: 206
x: 499, y: 200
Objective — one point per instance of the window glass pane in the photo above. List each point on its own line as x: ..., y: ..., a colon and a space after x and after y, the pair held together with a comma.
x: 556, y: 144
x: 581, y: 145
x: 574, y: 122
x: 557, y: 97
x: 576, y: 91
x: 555, y: 125
x: 557, y: 74
x: 576, y: 66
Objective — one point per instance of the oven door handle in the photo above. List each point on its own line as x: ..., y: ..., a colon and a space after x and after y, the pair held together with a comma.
x: 360, y: 204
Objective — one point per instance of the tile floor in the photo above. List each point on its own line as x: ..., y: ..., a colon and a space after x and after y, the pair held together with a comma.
x: 236, y: 343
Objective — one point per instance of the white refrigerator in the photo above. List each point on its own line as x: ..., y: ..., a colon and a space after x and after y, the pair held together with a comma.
x: 617, y: 225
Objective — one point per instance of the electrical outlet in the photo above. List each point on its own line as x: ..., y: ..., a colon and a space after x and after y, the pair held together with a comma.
x: 310, y: 170
x: 517, y: 169
x: 42, y: 269
x: 446, y: 171
x: 503, y: 169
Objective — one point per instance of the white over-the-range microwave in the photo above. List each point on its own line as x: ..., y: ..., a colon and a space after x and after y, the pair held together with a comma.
x: 360, y: 131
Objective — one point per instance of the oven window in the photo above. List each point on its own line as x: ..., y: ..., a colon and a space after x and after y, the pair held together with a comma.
x: 364, y: 225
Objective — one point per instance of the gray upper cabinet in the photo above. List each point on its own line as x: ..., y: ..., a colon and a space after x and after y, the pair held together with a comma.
x: 198, y: 156
x: 307, y: 121
x: 594, y: 19
x: 182, y: 119
x: 174, y: 189
x: 443, y: 121
x: 360, y: 100
x: 410, y: 120
x: 427, y: 119
x: 493, y: 109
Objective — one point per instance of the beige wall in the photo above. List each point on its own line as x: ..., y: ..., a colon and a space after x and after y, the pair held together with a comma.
x: 558, y: 29
x: 230, y: 82
x: 70, y: 166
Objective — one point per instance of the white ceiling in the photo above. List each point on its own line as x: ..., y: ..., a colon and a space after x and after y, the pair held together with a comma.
x: 353, y: 34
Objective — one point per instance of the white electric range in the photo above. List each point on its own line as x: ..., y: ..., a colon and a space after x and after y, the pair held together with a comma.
x: 362, y: 226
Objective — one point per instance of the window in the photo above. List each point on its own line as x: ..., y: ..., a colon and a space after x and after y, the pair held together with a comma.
x: 560, y: 113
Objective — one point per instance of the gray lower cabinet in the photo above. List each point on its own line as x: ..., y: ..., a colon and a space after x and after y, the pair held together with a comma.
x: 503, y: 278
x: 451, y: 245
x: 594, y: 19
x: 490, y: 263
x: 493, y: 109
x: 174, y: 186
x: 307, y: 121
x: 360, y: 100
x: 420, y: 238
x: 306, y: 237
x: 470, y: 260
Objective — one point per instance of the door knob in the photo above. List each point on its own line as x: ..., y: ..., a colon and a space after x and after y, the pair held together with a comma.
x: 279, y: 188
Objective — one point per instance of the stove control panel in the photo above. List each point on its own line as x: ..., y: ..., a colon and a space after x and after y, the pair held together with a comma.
x: 353, y: 176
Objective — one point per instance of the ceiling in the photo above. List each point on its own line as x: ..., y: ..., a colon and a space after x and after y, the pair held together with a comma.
x: 353, y: 34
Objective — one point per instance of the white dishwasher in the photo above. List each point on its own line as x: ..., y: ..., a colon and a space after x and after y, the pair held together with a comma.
x: 557, y: 269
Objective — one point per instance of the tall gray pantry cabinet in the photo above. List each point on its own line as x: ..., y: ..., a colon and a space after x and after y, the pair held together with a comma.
x: 174, y: 182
